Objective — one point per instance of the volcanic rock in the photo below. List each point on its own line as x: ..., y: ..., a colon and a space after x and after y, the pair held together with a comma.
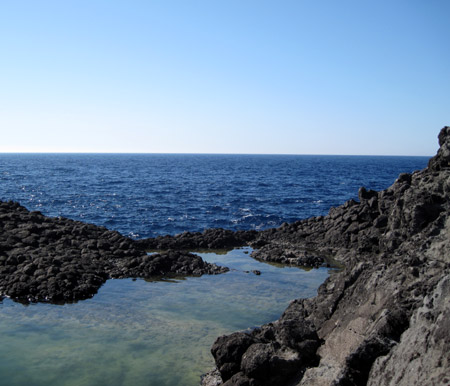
x: 384, y: 318
x: 60, y: 260
x: 210, y: 239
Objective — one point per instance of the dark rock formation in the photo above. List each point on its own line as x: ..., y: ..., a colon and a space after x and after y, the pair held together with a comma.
x: 289, y: 254
x: 60, y: 260
x: 384, y: 318
x: 215, y: 238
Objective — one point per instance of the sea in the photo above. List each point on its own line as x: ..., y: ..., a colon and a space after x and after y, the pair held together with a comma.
x: 140, y: 332
x: 146, y: 195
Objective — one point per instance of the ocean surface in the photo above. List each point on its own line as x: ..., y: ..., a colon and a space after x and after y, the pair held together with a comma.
x: 145, y: 195
x: 159, y: 333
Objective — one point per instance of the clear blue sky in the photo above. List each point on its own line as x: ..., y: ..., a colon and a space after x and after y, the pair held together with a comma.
x: 229, y: 76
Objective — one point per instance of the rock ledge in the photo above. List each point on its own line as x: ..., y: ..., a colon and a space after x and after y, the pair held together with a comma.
x: 44, y: 259
x: 383, y: 319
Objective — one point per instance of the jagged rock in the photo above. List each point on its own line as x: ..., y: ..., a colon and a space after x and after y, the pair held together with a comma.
x: 422, y: 356
x: 442, y: 159
x: 60, y: 260
x: 228, y: 351
x: 215, y: 238
x: 212, y: 378
x: 384, y: 318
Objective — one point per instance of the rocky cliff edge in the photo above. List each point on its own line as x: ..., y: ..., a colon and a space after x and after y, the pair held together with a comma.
x: 384, y: 319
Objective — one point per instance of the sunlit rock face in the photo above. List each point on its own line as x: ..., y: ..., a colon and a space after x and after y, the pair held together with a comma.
x: 383, y: 320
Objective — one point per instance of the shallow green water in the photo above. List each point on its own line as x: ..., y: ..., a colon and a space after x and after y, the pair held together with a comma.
x: 145, y: 333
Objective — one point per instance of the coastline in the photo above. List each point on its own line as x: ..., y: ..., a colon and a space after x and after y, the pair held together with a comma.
x: 58, y: 260
x: 382, y: 320
x: 365, y: 325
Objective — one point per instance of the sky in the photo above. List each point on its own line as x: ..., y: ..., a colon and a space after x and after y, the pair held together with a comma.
x: 234, y: 76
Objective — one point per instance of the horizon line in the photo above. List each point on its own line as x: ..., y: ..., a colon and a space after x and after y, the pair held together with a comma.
x: 175, y: 153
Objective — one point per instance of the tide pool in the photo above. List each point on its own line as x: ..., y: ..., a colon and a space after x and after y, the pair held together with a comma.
x: 137, y: 332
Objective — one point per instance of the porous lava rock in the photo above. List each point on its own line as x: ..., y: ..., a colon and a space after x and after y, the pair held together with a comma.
x: 383, y: 319
x: 210, y: 239
x: 60, y: 260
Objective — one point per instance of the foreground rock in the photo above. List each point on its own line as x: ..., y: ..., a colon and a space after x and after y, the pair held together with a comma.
x: 385, y: 318
x: 60, y: 260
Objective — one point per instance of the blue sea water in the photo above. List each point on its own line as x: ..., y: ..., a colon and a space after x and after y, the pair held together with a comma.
x: 145, y: 195
x: 160, y: 333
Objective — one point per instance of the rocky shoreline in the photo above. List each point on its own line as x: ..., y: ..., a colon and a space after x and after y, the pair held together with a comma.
x: 45, y: 259
x: 384, y: 319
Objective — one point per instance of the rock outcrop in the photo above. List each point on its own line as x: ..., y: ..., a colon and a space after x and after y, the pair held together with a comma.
x: 214, y: 238
x: 384, y: 319
x: 61, y: 260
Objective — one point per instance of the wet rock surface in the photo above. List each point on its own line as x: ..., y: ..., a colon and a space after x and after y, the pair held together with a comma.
x: 384, y: 318
x: 60, y: 260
